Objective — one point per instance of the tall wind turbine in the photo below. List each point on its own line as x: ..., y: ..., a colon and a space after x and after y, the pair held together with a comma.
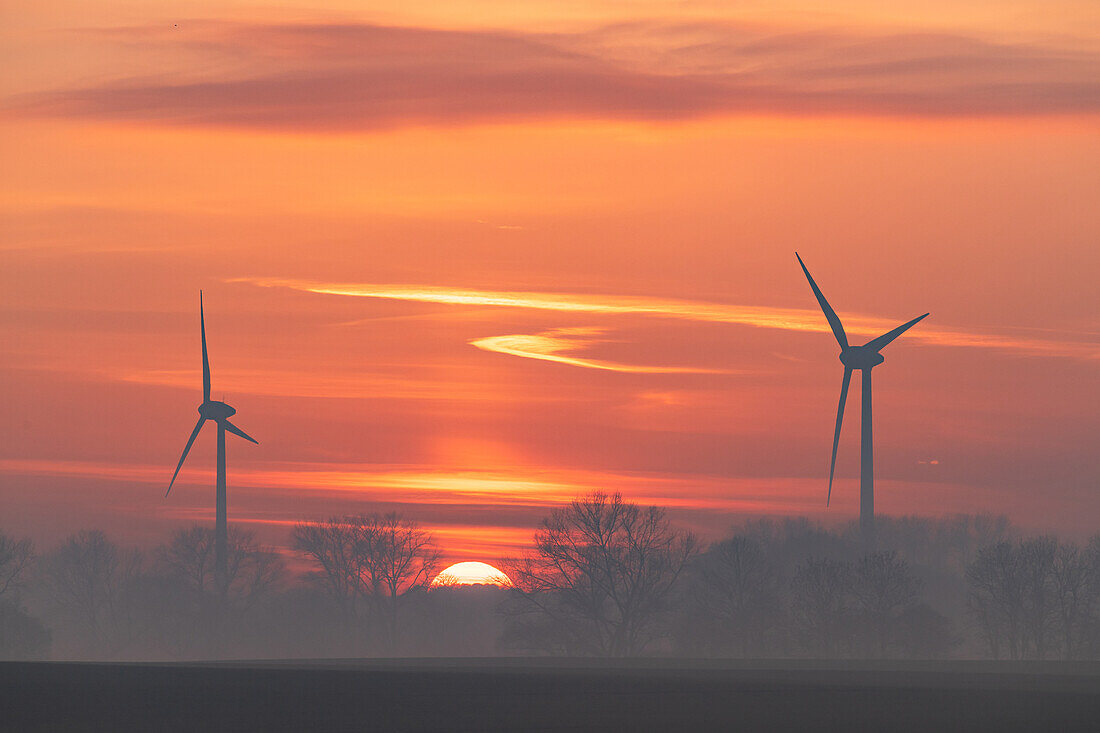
x: 220, y: 413
x: 864, y: 358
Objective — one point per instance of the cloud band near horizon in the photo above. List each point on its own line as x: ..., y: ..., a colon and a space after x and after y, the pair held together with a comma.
x: 360, y: 77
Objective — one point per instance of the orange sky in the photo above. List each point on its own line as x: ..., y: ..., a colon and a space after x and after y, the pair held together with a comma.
x: 467, y: 260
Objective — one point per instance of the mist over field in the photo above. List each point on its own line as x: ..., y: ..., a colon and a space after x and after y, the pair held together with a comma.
x: 602, y: 578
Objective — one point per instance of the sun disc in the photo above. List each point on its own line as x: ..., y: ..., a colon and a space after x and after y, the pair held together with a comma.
x: 471, y: 573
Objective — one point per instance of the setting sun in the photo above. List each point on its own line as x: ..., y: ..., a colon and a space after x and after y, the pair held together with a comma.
x: 471, y: 573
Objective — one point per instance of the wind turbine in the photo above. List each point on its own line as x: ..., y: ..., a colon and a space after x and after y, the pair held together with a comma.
x: 220, y: 413
x: 864, y: 358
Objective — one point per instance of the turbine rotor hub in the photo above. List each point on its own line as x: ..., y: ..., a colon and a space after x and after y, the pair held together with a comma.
x: 860, y: 357
x: 214, y: 410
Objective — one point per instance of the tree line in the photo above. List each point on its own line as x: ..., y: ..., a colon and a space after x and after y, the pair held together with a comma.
x: 603, y: 577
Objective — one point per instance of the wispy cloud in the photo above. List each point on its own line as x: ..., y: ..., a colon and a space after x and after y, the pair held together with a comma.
x: 791, y: 319
x: 519, y: 486
x: 363, y: 77
x: 554, y: 345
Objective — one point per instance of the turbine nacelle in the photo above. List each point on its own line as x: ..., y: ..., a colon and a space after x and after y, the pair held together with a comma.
x: 860, y: 357
x: 214, y: 410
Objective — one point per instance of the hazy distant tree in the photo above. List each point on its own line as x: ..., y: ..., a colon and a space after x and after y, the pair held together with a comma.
x: 86, y: 581
x: 21, y: 635
x: 370, y: 562
x: 883, y: 588
x: 1075, y: 577
x: 1089, y: 641
x: 821, y: 605
x: 961, y: 537
x: 16, y: 557
x: 995, y: 599
x: 1013, y: 597
x: 1040, y: 595
x: 600, y: 577
x: 189, y: 558
x: 734, y: 597
x: 253, y: 570
x: 791, y: 540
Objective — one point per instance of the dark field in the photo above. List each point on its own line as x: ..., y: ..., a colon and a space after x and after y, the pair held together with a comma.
x: 550, y: 695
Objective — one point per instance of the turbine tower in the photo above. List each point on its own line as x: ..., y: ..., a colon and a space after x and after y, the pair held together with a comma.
x: 220, y: 413
x: 864, y: 358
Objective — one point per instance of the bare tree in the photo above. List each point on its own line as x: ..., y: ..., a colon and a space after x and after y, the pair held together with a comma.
x: 1039, y: 594
x: 1013, y: 596
x: 735, y: 596
x: 821, y: 605
x: 21, y: 635
x: 403, y: 560
x: 87, y: 579
x: 1075, y: 578
x: 601, y: 576
x: 252, y: 570
x: 1074, y: 594
x: 370, y: 562
x: 334, y: 546
x: 884, y: 588
x: 1090, y: 626
x: 16, y: 557
x: 994, y: 599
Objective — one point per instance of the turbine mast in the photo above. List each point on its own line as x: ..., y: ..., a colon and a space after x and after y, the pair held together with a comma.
x: 867, y: 468
x: 221, y: 522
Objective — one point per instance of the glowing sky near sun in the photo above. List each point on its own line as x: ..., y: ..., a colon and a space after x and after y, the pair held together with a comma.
x: 465, y: 260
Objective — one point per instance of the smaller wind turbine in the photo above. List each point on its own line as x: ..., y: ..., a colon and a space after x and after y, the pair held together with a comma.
x: 864, y: 358
x: 220, y: 413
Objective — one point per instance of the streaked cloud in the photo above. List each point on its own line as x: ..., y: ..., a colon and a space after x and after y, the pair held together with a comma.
x: 792, y: 319
x: 554, y: 345
x: 317, y: 384
x: 347, y: 77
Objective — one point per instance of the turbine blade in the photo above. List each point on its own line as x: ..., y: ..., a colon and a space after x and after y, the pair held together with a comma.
x: 877, y: 343
x: 237, y: 431
x: 830, y: 314
x: 205, y: 359
x: 186, y: 448
x: 836, y: 433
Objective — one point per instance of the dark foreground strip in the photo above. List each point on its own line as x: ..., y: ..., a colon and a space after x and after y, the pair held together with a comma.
x: 420, y: 696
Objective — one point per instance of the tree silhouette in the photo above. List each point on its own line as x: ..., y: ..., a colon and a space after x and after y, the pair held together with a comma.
x: 369, y: 562
x: 1014, y: 597
x: 884, y: 588
x: 735, y: 597
x: 821, y: 605
x: 16, y: 557
x: 190, y: 558
x: 21, y: 635
x: 86, y: 580
x: 1075, y: 574
x: 403, y: 559
x: 600, y: 578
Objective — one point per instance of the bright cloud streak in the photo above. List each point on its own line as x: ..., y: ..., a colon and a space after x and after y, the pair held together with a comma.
x: 792, y: 319
x: 548, y: 346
